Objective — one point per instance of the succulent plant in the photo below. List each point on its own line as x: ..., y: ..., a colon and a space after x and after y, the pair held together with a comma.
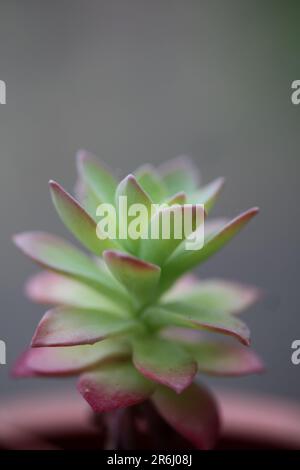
x: 131, y: 320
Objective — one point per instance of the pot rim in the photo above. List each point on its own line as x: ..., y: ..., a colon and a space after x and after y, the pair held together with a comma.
x: 250, y: 416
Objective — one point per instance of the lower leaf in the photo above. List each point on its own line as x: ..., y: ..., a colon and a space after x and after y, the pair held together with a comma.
x: 70, y: 360
x: 68, y: 326
x: 193, y: 414
x: 164, y: 362
x: 222, y: 359
x: 114, y: 386
x: 188, y: 316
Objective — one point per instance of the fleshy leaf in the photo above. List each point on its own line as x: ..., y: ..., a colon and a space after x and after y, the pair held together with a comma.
x: 135, y: 194
x: 224, y: 359
x: 157, y: 249
x: 78, y: 221
x: 208, y: 194
x: 52, y: 288
x: 184, y: 260
x: 184, y: 315
x: 58, y: 255
x: 130, y: 189
x: 193, y: 414
x: 178, y: 198
x: 114, y: 386
x: 139, y: 277
x: 96, y: 177
x: 180, y: 174
x: 69, y: 326
x: 86, y: 197
x: 68, y: 360
x: 151, y: 182
x: 214, y: 226
x: 183, y: 285
x: 164, y: 362
x: 218, y: 296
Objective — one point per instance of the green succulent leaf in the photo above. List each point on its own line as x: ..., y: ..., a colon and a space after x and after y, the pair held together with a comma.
x: 139, y: 277
x: 114, y: 386
x: 78, y: 221
x: 183, y: 284
x: 69, y: 326
x: 193, y: 414
x: 178, y: 198
x: 208, y: 194
x: 224, y: 359
x: 96, y: 177
x: 151, y: 182
x: 185, y: 260
x: 164, y: 362
x: 218, y: 295
x: 134, y: 194
x: 130, y: 188
x: 214, y: 226
x: 185, y: 315
x: 158, y: 250
x: 58, y: 255
x: 180, y: 174
x: 70, y: 360
x: 86, y: 197
x: 52, y: 288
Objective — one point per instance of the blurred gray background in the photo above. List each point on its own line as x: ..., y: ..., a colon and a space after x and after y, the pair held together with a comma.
x: 142, y: 81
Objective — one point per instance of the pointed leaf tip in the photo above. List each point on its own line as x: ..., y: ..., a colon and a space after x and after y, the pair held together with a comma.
x: 81, y: 155
x: 178, y: 198
x: 23, y: 240
x: 225, y: 359
x: 180, y: 174
x: 151, y: 183
x: 190, y: 316
x: 96, y: 176
x: 135, y: 263
x: 139, y: 277
x: 84, y: 156
x: 208, y: 194
x: 77, y: 220
x: 131, y: 188
x: 184, y: 260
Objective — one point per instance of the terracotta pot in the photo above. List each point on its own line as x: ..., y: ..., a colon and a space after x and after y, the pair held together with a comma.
x: 63, y: 421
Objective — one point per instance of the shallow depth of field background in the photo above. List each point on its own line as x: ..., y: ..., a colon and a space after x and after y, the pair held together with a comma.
x: 143, y: 81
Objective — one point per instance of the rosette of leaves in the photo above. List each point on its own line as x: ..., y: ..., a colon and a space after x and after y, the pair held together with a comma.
x: 128, y: 317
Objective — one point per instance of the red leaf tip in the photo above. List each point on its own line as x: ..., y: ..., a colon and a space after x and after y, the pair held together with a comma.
x: 253, y: 210
x: 52, y: 183
x: 19, y: 239
x: 138, y: 263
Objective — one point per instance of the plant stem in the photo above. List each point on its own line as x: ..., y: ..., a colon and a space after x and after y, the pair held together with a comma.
x: 141, y: 427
